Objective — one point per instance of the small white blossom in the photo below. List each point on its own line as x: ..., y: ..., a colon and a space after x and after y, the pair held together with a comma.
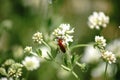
x: 31, y: 63
x: 5, y: 78
x: 97, y: 20
x: 63, y: 32
x: 109, y: 57
x: 28, y: 49
x: 38, y: 37
x: 100, y: 41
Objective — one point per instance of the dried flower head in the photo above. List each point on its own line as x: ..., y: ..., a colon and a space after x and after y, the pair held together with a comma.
x: 97, y: 20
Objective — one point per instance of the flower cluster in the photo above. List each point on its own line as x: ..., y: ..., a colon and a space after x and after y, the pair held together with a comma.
x: 97, y: 20
x: 28, y: 49
x: 100, y: 42
x: 38, y: 37
x: 31, y: 63
x: 11, y: 69
x: 15, y: 70
x: 108, y: 56
x: 63, y: 32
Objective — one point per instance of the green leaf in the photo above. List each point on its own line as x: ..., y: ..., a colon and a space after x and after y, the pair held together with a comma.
x: 48, y: 59
x: 39, y: 52
x: 54, y: 52
x: 49, y: 56
x: 72, y: 59
x: 65, y: 61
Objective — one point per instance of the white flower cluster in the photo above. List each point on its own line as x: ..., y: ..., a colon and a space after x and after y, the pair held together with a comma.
x: 100, y: 42
x: 37, y: 37
x: 97, y: 20
x: 63, y: 33
x: 5, y: 78
x: 109, y: 57
x: 28, y: 49
x: 31, y: 63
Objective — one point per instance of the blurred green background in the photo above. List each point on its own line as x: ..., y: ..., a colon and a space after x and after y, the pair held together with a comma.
x: 20, y: 19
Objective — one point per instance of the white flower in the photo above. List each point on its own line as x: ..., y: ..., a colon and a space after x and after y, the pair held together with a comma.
x: 100, y: 41
x: 28, y: 49
x: 114, y: 46
x: 5, y: 78
x: 90, y: 55
x: 63, y: 32
x: 37, y: 38
x: 97, y: 20
x: 109, y: 57
x: 31, y: 63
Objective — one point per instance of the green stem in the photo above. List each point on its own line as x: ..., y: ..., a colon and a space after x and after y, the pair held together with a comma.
x: 49, y: 52
x: 105, y: 76
x: 46, y: 45
x: 70, y: 70
x: 79, y: 45
x: 27, y: 75
x: 79, y: 64
x: 76, y: 76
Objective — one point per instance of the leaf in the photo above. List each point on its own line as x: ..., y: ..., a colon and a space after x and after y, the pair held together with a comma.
x: 73, y: 59
x: 54, y: 52
x: 39, y: 52
x: 48, y: 59
x: 65, y: 61
x: 49, y: 56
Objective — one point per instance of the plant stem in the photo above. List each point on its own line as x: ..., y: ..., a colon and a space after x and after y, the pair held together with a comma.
x: 105, y: 75
x: 79, y: 45
x: 46, y: 45
x: 76, y: 76
x: 49, y: 52
x: 70, y: 70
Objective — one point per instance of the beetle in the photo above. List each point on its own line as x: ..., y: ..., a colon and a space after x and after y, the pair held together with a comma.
x: 61, y: 45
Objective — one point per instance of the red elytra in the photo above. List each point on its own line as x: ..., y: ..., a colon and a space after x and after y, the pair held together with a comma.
x: 61, y: 45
